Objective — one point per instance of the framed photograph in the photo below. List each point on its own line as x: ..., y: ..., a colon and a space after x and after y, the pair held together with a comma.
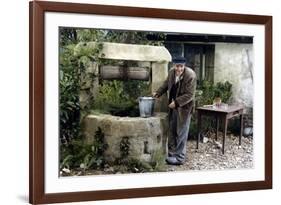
x: 130, y: 102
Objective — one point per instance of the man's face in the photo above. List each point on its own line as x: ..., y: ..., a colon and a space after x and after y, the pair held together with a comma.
x: 179, y: 67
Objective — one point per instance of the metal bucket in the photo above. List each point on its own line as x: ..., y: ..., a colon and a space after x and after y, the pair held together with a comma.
x: 146, y: 106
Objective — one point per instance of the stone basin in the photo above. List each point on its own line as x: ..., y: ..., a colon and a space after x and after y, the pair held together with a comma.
x: 145, y: 135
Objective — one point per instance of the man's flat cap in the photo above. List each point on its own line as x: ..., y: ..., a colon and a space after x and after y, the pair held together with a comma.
x: 179, y: 59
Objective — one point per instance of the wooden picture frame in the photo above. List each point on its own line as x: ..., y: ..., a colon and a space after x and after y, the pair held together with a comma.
x: 37, y: 96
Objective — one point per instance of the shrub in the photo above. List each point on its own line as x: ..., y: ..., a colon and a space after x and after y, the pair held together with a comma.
x: 208, y: 91
x: 120, y: 97
x: 69, y: 98
x: 71, y: 68
x: 79, y: 155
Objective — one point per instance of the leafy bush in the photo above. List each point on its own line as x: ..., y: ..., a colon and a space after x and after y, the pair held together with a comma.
x: 69, y: 95
x: 78, y: 154
x: 209, y: 91
x: 71, y: 68
x: 120, y: 97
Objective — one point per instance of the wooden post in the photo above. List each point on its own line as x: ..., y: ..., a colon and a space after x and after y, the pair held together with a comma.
x: 241, y: 128
x: 198, y: 128
x: 217, y: 130
x: 224, y: 134
x: 124, y: 73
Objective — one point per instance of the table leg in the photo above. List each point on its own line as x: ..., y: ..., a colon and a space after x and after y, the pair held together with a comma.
x: 241, y: 128
x: 224, y: 135
x: 217, y: 124
x: 198, y: 128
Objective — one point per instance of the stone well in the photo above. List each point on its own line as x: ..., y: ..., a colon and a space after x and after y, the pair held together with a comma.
x: 145, y: 135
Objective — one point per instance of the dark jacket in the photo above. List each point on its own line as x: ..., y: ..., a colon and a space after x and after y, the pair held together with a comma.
x: 185, y: 93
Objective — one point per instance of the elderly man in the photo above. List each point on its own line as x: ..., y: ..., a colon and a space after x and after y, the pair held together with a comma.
x: 181, y: 85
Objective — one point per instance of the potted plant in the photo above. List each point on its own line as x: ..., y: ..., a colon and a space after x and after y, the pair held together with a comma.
x: 217, y: 97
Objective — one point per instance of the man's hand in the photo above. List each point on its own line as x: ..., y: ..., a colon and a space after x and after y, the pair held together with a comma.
x: 155, y: 95
x: 172, y: 105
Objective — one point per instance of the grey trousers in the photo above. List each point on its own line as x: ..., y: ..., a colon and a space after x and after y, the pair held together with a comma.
x: 178, y: 135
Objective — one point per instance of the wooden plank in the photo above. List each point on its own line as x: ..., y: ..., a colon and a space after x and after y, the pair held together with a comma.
x: 123, y: 73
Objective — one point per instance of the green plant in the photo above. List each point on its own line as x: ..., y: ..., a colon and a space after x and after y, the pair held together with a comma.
x: 217, y: 93
x: 118, y: 98
x: 224, y: 90
x: 137, y: 166
x: 71, y: 68
x: 78, y: 154
x: 88, y: 161
x: 134, y: 37
x: 110, y: 92
x: 69, y: 98
x: 157, y: 161
x: 73, y: 154
x: 125, y: 147
x: 208, y: 91
x: 205, y: 94
x: 66, y: 162
x: 99, y: 145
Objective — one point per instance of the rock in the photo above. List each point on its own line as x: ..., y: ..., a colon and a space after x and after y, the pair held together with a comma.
x: 238, y: 158
x: 109, y: 169
x: 65, y: 170
x: 205, y: 139
x: 171, y: 169
x: 218, y: 145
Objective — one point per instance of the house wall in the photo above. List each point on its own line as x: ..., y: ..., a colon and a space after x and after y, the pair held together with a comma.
x: 234, y: 63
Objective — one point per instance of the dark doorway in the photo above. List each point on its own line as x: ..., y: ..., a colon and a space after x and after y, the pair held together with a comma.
x: 200, y: 57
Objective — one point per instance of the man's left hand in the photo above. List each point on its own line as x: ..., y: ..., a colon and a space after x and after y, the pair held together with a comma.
x: 172, y: 105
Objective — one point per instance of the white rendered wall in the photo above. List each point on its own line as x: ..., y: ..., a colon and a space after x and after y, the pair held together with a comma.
x: 233, y: 63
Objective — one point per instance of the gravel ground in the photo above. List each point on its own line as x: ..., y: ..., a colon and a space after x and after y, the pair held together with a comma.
x: 209, y: 155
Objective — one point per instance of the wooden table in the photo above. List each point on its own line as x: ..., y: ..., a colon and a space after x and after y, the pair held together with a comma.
x: 224, y: 113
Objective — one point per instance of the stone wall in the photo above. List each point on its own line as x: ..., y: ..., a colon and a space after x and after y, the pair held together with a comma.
x: 234, y: 63
x: 90, y: 84
x: 146, y: 135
